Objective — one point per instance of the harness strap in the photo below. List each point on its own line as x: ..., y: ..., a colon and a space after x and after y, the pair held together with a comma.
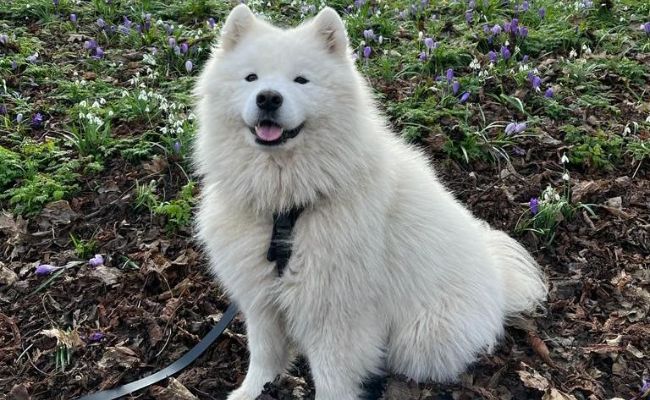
x: 280, y: 247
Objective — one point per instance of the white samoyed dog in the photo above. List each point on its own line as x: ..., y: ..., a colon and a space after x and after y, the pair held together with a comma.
x: 388, y: 272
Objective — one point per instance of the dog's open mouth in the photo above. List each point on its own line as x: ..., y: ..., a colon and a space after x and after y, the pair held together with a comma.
x: 269, y: 133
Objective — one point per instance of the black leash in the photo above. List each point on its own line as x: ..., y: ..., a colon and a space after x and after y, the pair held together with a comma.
x: 279, y: 251
x: 175, y: 367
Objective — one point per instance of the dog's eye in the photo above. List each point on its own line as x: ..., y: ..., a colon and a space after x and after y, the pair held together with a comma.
x: 251, y: 78
x: 301, y: 80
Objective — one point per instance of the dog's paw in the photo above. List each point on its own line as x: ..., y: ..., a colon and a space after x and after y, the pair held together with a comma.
x: 240, y: 394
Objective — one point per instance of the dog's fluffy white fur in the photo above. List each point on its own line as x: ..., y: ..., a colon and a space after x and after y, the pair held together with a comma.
x: 388, y: 271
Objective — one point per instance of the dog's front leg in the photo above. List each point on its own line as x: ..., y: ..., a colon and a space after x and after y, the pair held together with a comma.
x: 342, y: 358
x: 269, y: 352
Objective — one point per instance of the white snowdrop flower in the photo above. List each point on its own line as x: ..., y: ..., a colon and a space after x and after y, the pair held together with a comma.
x: 90, y: 116
x: 75, y: 73
x: 573, y: 54
x: 191, y: 116
x: 564, y: 159
x: 163, y: 130
x: 111, y: 113
x: 647, y: 119
x: 380, y: 39
x: 420, y: 35
x: 142, y: 85
x: 124, y: 93
x: 523, y: 67
x: 102, y: 101
x: 83, y: 103
x: 81, y: 115
x: 475, y: 64
x: 565, y: 177
x: 507, y: 43
x: 146, y: 109
x: 627, y: 130
x: 586, y: 49
x: 96, y: 105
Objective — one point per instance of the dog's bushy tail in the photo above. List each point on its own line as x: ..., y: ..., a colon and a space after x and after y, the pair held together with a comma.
x: 523, y: 280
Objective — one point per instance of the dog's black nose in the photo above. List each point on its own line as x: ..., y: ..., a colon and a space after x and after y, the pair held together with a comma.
x: 269, y: 100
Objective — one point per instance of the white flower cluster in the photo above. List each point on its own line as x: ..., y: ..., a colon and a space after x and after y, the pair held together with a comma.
x: 88, y: 114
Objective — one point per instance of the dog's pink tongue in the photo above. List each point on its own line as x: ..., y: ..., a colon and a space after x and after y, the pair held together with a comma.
x: 268, y: 133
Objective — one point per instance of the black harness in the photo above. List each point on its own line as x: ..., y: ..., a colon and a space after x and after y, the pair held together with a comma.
x: 280, y: 247
x: 279, y: 251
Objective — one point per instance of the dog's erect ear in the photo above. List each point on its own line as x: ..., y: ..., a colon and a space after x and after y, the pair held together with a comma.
x: 331, y: 31
x: 239, y: 20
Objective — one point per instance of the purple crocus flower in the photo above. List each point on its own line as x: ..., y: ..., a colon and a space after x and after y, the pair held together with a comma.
x: 32, y: 59
x: 505, y: 53
x: 486, y: 28
x: 14, y: 65
x: 367, y: 51
x: 184, y: 48
x: 534, y: 205
x: 45, y: 269
x: 455, y: 87
x: 542, y: 12
x: 525, y: 6
x: 95, y: 337
x: 496, y: 30
x: 56, y: 3
x: 177, y: 147
x: 522, y: 31
x: 369, y: 34
x: 450, y: 75
x: 3, y: 109
x: 359, y: 3
x: 493, y: 56
x: 189, y: 66
x: 73, y: 18
x: 4, y: 39
x: 464, y: 97
x: 124, y: 30
x: 423, y: 56
x: 507, y: 27
x: 211, y: 22
x: 429, y: 43
x: 514, y: 24
x: 525, y: 59
x: 37, y: 121
x: 96, y: 261
x: 535, y: 82
x: 646, y: 28
x: 172, y: 42
x: 469, y: 16
x: 127, y: 22
x: 549, y: 93
x: 99, y: 53
x: 515, y: 127
x: 101, y: 23
x: 90, y: 44
x: 177, y: 50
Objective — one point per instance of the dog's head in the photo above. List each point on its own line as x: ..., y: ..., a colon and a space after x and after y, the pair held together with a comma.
x: 277, y: 85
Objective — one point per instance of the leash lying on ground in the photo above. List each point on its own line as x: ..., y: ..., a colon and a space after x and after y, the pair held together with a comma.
x: 175, y: 367
x: 279, y: 251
